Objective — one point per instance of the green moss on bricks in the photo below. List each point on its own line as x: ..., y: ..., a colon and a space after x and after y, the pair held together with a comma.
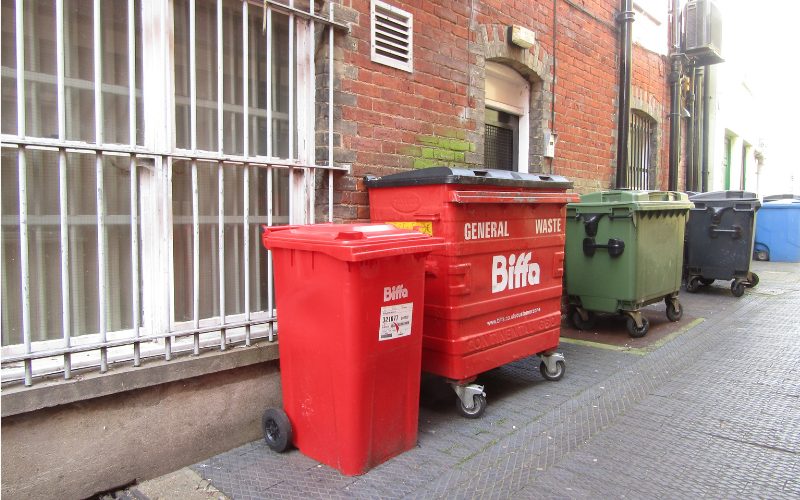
x: 440, y: 151
x: 425, y: 163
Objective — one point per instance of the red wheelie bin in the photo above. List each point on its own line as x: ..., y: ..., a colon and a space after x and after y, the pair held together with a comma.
x: 349, y: 299
x: 493, y: 292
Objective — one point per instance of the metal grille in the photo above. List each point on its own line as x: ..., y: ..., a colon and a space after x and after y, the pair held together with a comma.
x: 641, y: 150
x: 499, y: 149
x: 117, y: 244
x: 392, y: 36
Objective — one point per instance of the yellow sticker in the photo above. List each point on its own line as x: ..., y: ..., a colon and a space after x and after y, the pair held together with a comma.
x: 424, y: 227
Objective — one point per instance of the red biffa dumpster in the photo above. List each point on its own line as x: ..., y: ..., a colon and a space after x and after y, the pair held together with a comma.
x: 493, y: 292
x: 349, y: 300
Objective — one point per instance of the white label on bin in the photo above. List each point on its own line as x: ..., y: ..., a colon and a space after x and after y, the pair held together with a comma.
x: 395, y: 321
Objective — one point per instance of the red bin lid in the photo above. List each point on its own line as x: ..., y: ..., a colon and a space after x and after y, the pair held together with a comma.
x: 350, y: 242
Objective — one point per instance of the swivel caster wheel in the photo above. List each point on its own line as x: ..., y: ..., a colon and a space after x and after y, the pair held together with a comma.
x: 693, y: 284
x: 478, y: 407
x: 674, y: 310
x: 555, y: 375
x: 637, y: 331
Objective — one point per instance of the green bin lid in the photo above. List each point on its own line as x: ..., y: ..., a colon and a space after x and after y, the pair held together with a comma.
x: 632, y: 199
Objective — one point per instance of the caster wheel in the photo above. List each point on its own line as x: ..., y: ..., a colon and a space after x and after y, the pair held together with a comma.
x: 737, y: 288
x: 478, y: 407
x: 561, y: 367
x: 693, y: 284
x: 753, y: 281
x: 674, y: 313
x: 707, y: 281
x: 578, y: 322
x: 277, y: 429
x: 636, y: 332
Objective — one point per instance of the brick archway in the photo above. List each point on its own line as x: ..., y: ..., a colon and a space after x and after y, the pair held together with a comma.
x: 534, y: 64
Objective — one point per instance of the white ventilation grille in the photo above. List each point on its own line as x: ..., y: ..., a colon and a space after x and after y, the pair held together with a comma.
x: 392, y: 33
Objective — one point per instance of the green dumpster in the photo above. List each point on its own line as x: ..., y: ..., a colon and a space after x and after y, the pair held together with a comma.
x: 624, y: 250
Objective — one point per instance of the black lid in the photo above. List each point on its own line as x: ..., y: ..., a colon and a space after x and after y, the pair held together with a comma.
x: 449, y: 175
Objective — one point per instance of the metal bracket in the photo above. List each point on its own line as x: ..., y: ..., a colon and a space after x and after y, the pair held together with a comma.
x: 551, y: 361
x: 467, y: 393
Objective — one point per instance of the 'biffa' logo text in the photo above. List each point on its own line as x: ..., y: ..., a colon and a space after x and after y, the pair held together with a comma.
x: 394, y: 293
x: 516, y: 271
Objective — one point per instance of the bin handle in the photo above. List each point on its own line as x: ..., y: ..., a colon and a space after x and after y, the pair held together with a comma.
x: 591, y: 221
x: 614, y: 246
x: 511, y: 197
x: 735, y: 231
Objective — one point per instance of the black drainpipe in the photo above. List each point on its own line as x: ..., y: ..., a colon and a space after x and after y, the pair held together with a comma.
x: 697, y: 123
x: 706, y: 117
x: 675, y: 102
x: 690, y: 133
x: 625, y: 17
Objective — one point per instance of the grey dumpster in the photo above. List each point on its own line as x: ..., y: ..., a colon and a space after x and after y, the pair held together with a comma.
x: 719, y: 240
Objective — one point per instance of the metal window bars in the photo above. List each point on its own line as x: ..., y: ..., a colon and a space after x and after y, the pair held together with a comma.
x: 640, y: 151
x: 149, y: 335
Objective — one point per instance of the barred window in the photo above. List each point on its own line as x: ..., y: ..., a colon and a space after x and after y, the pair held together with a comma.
x: 144, y: 144
x: 642, y: 152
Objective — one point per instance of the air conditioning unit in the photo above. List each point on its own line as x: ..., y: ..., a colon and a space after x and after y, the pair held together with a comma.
x: 702, y: 32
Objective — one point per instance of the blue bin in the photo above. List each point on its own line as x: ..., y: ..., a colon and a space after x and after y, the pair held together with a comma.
x: 778, y: 231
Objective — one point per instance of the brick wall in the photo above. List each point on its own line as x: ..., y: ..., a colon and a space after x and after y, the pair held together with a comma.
x: 390, y: 120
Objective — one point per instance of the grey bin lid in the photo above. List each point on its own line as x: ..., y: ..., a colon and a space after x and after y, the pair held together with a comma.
x: 740, y: 200
x: 487, y: 177
x: 724, y: 196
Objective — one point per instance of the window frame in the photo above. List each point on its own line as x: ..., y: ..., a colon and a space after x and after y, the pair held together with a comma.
x: 509, y: 92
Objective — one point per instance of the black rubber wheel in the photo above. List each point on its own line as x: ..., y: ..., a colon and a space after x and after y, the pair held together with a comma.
x: 561, y: 367
x: 737, y: 288
x: 478, y: 407
x: 762, y: 255
x: 693, y: 284
x: 707, y: 281
x: 277, y: 429
x: 674, y: 313
x: 578, y: 322
x: 635, y: 331
x: 753, y: 281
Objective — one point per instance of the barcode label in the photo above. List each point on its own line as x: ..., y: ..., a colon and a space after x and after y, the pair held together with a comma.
x: 395, y: 321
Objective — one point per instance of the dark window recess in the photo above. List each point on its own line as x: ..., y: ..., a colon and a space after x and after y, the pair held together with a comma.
x: 500, y: 140
x: 641, y: 152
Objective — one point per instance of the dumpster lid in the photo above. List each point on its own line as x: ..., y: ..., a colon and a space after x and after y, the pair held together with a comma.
x: 635, y: 199
x: 785, y: 196
x: 350, y: 242
x: 740, y: 200
x: 784, y: 204
x: 724, y: 196
x: 486, y: 177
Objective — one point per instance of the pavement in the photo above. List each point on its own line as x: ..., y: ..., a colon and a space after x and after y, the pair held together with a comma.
x: 708, y: 406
